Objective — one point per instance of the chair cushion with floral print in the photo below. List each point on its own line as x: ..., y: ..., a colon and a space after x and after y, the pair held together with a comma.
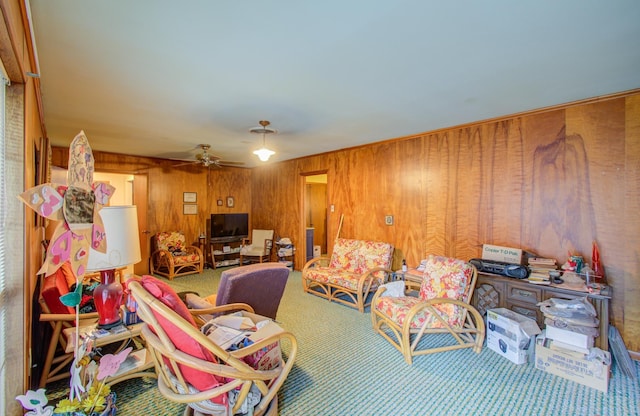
x: 174, y: 243
x: 443, y: 278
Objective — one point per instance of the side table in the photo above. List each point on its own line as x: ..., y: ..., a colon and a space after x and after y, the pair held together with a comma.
x: 142, y: 360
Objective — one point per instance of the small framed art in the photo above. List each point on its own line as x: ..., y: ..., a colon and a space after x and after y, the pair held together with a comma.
x: 189, y: 197
x: 189, y: 209
x: 219, y: 202
x: 230, y: 202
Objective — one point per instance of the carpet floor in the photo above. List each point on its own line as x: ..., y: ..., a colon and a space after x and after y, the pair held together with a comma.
x: 344, y: 368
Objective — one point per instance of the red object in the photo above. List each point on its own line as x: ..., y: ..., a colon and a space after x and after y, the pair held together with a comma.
x: 596, y: 262
x: 107, y: 297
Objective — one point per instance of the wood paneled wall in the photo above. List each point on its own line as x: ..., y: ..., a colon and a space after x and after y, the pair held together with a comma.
x: 167, y: 183
x: 550, y: 182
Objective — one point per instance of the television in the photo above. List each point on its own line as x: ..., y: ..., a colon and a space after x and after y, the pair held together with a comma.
x: 229, y: 226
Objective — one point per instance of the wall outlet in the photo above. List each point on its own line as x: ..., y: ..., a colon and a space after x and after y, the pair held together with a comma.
x: 388, y: 219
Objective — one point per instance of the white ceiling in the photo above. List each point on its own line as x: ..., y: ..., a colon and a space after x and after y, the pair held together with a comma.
x: 158, y: 77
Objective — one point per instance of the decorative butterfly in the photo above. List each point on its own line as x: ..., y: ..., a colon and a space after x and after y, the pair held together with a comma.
x: 109, y: 363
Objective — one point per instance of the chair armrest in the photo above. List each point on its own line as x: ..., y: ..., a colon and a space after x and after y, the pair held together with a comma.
x: 368, y: 276
x: 316, y: 261
x: 430, y: 304
x: 66, y: 317
x: 193, y: 250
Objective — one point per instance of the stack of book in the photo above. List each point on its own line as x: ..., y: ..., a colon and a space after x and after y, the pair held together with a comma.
x: 539, y: 268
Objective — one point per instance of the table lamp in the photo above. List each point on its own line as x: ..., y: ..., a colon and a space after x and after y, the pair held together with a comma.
x: 123, y: 249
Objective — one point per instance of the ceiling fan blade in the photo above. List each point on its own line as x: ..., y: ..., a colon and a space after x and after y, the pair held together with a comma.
x: 186, y: 164
x: 226, y: 162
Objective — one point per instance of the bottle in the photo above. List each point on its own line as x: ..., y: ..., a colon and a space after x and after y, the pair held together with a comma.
x: 404, y: 266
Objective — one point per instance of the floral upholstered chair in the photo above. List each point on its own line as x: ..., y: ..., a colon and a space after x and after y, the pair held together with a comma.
x: 406, y: 316
x: 352, y: 274
x: 173, y: 257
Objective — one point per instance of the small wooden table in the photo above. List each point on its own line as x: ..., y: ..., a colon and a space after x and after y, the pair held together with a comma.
x: 143, y: 360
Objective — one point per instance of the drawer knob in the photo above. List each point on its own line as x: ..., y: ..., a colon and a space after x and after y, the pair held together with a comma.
x: 523, y: 293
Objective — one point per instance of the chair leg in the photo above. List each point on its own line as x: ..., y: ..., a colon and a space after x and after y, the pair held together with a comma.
x: 51, y: 351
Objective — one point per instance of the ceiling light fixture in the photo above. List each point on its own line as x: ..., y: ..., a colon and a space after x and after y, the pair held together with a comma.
x: 263, y: 154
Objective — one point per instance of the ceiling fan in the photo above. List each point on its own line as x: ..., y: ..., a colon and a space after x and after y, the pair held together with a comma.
x: 207, y: 159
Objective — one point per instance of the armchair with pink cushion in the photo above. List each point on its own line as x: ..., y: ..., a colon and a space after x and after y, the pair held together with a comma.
x: 408, y: 316
x: 173, y: 257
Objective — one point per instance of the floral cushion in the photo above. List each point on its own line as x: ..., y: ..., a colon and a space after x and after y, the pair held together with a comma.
x: 358, y: 256
x: 443, y: 278
x: 185, y: 258
x: 345, y: 255
x: 172, y: 241
x: 346, y: 279
x: 374, y: 254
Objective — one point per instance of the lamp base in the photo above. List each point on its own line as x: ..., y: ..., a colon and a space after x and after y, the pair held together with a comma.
x: 107, y: 297
x: 111, y: 325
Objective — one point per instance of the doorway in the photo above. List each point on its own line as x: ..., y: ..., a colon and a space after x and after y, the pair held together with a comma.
x: 315, y: 214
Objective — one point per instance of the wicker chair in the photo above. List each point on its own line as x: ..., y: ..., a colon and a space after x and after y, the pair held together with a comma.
x: 192, y: 369
x: 173, y: 257
x: 440, y: 305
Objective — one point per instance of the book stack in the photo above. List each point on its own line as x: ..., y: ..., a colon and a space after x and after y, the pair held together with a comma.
x: 539, y: 270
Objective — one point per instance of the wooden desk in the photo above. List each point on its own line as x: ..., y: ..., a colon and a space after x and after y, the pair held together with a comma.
x: 493, y: 291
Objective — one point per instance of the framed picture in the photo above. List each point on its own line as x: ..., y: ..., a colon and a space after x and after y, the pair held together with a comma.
x: 190, y: 209
x: 189, y: 197
x: 230, y: 202
x: 219, y: 202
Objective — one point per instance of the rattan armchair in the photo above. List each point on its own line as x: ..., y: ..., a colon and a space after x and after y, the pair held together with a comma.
x: 194, y: 370
x: 439, y: 306
x: 172, y: 257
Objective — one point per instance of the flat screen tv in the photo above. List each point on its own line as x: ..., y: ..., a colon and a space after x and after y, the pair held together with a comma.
x: 229, y: 225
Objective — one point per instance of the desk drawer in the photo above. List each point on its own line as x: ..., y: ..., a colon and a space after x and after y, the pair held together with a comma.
x: 518, y: 293
x: 530, y: 311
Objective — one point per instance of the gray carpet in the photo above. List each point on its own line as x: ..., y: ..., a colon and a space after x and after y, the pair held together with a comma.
x: 343, y: 368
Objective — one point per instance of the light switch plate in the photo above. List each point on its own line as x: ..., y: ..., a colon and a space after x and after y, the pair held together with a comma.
x: 388, y: 219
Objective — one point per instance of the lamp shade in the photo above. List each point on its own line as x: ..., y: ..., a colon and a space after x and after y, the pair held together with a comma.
x: 123, y: 239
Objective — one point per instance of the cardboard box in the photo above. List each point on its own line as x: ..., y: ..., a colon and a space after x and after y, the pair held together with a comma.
x: 510, y: 334
x: 498, y: 253
x: 573, y: 366
x: 569, y: 337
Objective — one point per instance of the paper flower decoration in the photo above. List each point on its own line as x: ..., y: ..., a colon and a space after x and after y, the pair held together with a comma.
x: 36, y: 403
x: 76, y: 205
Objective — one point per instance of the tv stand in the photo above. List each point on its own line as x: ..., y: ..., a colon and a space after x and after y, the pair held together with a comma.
x: 225, y: 251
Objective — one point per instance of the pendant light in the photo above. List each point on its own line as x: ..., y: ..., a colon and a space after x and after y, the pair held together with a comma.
x: 263, y: 154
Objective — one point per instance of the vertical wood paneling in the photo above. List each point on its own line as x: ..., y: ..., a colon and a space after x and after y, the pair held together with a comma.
x: 549, y: 183
x: 627, y: 308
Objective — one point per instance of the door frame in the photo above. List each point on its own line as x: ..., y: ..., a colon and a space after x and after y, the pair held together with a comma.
x: 302, y: 235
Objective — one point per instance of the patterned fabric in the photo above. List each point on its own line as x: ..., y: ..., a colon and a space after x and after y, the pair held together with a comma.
x: 345, y: 255
x: 358, y: 256
x: 345, y: 279
x: 443, y: 278
x: 185, y: 258
x: 172, y: 241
